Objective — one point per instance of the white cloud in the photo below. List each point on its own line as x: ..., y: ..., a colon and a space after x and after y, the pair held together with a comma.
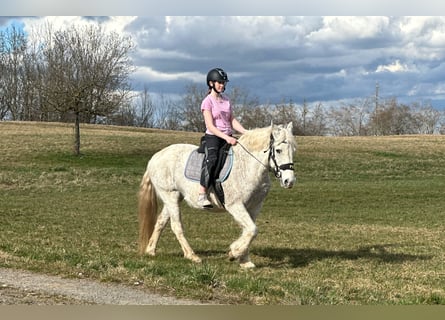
x: 439, y: 89
x: 157, y: 53
x: 396, y: 66
x: 349, y: 28
x: 115, y: 24
x: 153, y: 75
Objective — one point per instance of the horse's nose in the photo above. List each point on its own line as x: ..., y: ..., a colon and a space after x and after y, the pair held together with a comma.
x: 289, y: 183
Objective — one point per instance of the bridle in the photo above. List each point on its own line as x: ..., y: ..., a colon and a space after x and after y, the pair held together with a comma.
x: 277, y: 168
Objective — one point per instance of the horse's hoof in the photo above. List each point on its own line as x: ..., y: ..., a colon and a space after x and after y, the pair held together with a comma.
x: 247, y: 265
x: 231, y: 256
x: 195, y: 258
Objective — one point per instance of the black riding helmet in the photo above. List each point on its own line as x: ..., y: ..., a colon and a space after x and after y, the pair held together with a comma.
x: 216, y: 74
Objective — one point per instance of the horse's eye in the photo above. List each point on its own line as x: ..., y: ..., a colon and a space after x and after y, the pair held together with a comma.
x: 278, y: 151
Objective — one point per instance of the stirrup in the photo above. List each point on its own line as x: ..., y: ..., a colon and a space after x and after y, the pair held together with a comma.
x: 204, y: 202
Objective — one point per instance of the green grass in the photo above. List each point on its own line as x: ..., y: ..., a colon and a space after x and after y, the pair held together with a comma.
x: 363, y: 225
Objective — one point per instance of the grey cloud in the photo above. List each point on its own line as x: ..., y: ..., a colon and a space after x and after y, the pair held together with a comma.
x: 4, y: 21
x: 298, y: 56
x: 275, y: 58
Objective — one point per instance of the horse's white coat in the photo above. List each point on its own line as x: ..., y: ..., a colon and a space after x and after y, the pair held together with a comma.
x: 245, y: 189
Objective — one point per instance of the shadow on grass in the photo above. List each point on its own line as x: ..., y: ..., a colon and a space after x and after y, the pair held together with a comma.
x: 302, y: 257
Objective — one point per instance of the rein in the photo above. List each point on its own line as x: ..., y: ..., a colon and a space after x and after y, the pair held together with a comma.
x: 252, y: 155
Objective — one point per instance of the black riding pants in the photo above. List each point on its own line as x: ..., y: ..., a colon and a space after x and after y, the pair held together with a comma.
x: 212, y: 146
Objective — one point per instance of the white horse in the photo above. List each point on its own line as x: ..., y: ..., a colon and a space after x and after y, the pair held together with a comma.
x: 257, y: 152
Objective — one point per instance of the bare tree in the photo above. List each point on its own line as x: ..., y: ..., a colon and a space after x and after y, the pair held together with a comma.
x: 350, y: 119
x: 441, y: 123
x: 393, y: 119
x: 145, y: 109
x: 168, y: 114
x: 4, y: 52
x: 286, y: 112
x: 191, y: 108
x: 248, y: 110
x: 316, y: 125
x: 12, y: 56
x: 85, y: 73
x: 303, y: 116
x: 428, y: 118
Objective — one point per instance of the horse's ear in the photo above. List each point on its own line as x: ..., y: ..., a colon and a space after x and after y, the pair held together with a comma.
x: 276, y: 131
x: 290, y: 126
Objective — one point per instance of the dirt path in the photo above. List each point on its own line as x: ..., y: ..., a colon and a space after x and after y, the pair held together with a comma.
x: 23, y: 287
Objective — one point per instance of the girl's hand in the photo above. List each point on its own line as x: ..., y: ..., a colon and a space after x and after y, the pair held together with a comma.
x: 231, y: 140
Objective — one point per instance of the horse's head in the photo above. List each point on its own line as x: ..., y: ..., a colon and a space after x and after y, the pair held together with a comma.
x: 281, y: 153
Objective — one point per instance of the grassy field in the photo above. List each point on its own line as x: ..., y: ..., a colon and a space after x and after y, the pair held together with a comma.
x: 363, y: 225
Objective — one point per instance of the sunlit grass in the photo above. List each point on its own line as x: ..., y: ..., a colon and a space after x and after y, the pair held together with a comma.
x: 363, y: 225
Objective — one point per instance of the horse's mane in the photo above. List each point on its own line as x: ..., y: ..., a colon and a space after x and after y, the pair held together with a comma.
x: 259, y: 139
x: 256, y: 139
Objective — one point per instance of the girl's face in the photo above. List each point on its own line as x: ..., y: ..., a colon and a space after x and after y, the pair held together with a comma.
x: 219, y: 86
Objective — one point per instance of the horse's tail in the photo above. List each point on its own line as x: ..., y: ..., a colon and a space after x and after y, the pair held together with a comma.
x: 148, y: 207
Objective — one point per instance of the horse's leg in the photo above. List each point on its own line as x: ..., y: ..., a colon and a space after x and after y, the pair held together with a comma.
x: 163, y: 218
x: 176, y: 225
x: 244, y: 259
x: 172, y: 205
x: 239, y: 249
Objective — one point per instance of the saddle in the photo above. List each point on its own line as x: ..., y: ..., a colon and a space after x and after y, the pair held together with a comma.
x: 193, y: 167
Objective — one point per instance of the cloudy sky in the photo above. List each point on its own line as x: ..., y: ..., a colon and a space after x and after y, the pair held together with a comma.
x: 316, y: 58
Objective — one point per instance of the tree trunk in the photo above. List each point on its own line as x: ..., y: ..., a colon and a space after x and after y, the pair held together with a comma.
x: 77, y: 134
